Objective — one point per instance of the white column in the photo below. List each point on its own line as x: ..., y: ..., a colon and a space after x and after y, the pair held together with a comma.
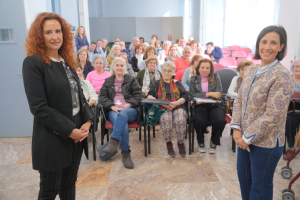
x: 84, y: 20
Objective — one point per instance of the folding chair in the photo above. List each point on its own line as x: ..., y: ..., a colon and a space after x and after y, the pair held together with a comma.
x: 218, y: 66
x: 227, y: 62
x: 246, y: 50
x: 238, y: 54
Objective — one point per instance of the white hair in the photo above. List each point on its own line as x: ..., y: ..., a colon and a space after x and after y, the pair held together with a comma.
x: 134, y: 38
x: 168, y: 64
x: 191, y: 38
x: 293, y: 64
x: 146, y: 44
x: 111, y: 53
x: 187, y: 47
x: 96, y: 56
x: 167, y: 42
x: 112, y: 66
x: 201, y: 48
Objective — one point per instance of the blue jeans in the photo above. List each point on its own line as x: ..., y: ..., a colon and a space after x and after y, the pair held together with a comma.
x: 120, y: 122
x: 256, y: 171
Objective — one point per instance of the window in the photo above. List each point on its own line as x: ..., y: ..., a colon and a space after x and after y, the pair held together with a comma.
x: 55, y: 6
x: 7, y: 35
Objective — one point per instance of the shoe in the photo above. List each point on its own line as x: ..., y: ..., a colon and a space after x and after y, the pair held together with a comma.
x: 181, y: 148
x: 126, y: 159
x: 170, y: 149
x: 288, y: 154
x: 213, y: 148
x: 201, y: 148
x: 112, y: 146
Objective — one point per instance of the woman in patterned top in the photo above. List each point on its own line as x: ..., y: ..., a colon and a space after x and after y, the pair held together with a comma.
x: 259, y: 115
x: 292, y: 121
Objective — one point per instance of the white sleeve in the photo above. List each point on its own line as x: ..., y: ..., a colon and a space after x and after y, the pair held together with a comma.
x: 92, y: 93
x: 232, y: 87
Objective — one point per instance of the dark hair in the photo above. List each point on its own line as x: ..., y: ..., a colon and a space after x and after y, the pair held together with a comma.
x: 93, y: 43
x: 210, y: 43
x: 211, y: 75
x: 142, y: 38
x: 283, y: 40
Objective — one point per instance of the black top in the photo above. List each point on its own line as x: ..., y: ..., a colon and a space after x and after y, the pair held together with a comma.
x: 183, y: 93
x: 50, y: 101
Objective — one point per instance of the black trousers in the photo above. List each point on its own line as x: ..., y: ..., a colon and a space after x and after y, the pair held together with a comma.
x: 206, y: 115
x: 62, y: 182
x: 292, y: 123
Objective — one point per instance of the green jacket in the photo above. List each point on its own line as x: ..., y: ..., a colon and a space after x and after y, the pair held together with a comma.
x: 107, y: 50
x: 140, y: 77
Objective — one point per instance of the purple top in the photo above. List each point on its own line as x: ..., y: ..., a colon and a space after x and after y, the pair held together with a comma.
x: 119, y: 99
x: 204, y: 84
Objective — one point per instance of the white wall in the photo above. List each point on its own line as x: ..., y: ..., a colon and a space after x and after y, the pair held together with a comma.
x: 33, y: 8
x: 289, y: 18
x: 69, y: 11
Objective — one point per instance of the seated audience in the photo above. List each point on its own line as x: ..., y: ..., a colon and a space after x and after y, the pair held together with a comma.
x: 91, y: 50
x: 158, y: 46
x: 184, y: 61
x: 123, y: 49
x: 128, y: 66
x: 114, y: 52
x: 154, y: 37
x: 181, y: 45
x: 215, y: 53
x: 194, y: 45
x: 98, y: 76
x: 173, y: 54
x: 142, y: 40
x: 292, y: 121
x: 83, y: 60
x: 190, y: 71
x: 152, y: 43
x: 138, y: 58
x: 175, y: 115
x: 207, y: 84
x: 150, y: 51
x: 136, y: 41
x: 105, y: 42
x: 189, y: 40
x: 147, y: 76
x: 117, y: 41
x: 237, y: 80
x: 87, y: 88
x: 170, y: 39
x: 164, y: 52
x: 100, y: 49
x: 200, y: 51
x: 81, y: 40
x: 122, y: 104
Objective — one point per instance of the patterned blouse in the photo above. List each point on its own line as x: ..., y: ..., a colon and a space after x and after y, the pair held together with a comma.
x: 260, y: 108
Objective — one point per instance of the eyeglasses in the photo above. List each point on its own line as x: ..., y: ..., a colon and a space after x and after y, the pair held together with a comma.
x: 167, y: 71
x: 117, y: 41
x: 297, y: 67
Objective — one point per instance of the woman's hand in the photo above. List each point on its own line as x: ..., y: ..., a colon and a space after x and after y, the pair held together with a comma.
x: 237, y: 134
x: 216, y: 95
x: 242, y: 144
x: 174, y: 104
x: 76, y: 134
x: 168, y: 107
x: 116, y: 109
x: 92, y: 102
x: 127, y: 105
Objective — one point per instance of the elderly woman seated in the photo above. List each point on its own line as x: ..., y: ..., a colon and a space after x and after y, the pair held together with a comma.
x: 200, y: 51
x: 114, y: 52
x: 128, y: 66
x: 137, y: 58
x: 237, y: 80
x: 83, y: 60
x: 164, y: 52
x: 173, y: 54
x: 207, y: 84
x: 121, y: 98
x: 150, y: 51
x: 148, y: 75
x: 175, y: 114
x: 292, y: 121
x: 98, y: 76
x: 87, y: 88
x: 189, y: 72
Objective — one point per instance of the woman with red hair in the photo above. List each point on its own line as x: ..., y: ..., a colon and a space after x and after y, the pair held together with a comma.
x: 61, y: 118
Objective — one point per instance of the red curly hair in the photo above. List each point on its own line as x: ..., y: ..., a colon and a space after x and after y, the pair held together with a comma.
x: 35, y: 42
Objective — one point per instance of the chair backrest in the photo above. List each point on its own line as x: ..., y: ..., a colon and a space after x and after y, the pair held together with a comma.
x: 127, y: 44
x: 256, y: 61
x: 234, y: 48
x: 226, y: 55
x: 239, y: 60
x: 225, y: 50
x: 226, y: 76
x: 246, y: 50
x: 238, y: 54
x: 218, y: 66
x: 227, y: 61
x: 250, y: 56
x: 110, y: 44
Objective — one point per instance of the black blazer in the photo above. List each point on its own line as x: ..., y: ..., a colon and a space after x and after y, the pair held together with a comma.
x: 49, y: 96
x: 134, y: 64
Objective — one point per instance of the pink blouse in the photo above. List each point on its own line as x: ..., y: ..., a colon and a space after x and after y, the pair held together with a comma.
x: 204, y: 84
x: 97, y: 80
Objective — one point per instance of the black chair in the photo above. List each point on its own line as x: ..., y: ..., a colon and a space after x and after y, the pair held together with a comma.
x: 189, y: 123
x: 127, y: 44
x: 226, y: 76
x: 110, y: 44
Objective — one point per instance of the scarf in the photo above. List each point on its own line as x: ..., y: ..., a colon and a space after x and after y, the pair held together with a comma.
x: 238, y: 84
x: 140, y: 59
x: 147, y: 79
x: 174, y: 91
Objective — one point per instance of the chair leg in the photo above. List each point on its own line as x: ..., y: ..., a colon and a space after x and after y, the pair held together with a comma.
x: 140, y: 134
x: 154, y: 131
x: 190, y: 140
x: 107, y: 134
x: 145, y: 141
x: 186, y: 131
x: 149, y: 147
x: 193, y: 136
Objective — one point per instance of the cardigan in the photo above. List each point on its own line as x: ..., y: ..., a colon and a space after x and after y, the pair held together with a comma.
x: 80, y: 42
x: 140, y: 77
x: 231, y: 90
x: 260, y: 108
x: 88, y: 68
x: 134, y: 64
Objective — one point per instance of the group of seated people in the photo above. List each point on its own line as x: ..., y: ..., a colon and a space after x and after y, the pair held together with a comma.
x: 142, y: 74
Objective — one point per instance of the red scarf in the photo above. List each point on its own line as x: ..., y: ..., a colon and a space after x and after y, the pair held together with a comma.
x: 174, y: 91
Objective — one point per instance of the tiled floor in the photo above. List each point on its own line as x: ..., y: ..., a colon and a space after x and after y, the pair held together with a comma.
x: 197, y: 176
